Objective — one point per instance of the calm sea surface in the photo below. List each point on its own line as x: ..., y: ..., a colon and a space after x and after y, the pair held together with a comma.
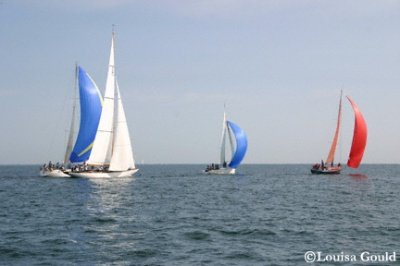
x: 175, y: 215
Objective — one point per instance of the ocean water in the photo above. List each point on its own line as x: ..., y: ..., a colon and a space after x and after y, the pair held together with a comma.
x: 175, y: 215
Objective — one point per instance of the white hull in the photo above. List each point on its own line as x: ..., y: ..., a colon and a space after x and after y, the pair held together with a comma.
x: 89, y: 174
x: 221, y: 171
x: 53, y: 173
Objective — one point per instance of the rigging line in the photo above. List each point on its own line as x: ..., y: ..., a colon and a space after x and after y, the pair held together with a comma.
x: 58, y: 124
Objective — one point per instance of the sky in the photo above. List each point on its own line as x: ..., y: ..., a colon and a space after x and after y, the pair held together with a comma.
x: 278, y: 65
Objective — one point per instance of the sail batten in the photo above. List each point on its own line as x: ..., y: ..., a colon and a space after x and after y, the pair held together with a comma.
x: 359, y: 137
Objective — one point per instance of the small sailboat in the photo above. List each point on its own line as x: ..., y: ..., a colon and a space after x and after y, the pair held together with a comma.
x: 357, y: 147
x: 238, y: 151
x: 111, y: 150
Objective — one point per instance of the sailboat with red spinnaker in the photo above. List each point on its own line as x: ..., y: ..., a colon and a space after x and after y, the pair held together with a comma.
x: 357, y: 147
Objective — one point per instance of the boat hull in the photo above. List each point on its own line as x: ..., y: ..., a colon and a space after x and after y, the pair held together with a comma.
x: 92, y: 174
x: 327, y: 171
x: 54, y: 173
x: 221, y: 171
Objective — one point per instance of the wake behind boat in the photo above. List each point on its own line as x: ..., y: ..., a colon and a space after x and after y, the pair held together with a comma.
x: 357, y: 147
x: 238, y: 151
x: 109, y: 153
x: 50, y: 170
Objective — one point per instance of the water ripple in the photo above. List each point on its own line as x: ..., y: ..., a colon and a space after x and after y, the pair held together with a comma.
x: 174, y: 215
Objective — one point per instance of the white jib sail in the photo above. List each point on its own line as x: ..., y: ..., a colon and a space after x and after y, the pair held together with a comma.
x: 102, y: 145
x: 122, y: 156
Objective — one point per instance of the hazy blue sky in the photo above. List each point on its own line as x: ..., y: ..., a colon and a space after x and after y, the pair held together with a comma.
x: 279, y: 65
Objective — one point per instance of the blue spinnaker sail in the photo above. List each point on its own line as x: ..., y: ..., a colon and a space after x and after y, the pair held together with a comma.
x: 241, y: 145
x: 91, y: 103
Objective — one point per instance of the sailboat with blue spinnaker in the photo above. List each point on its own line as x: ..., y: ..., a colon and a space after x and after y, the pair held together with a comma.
x: 238, y: 149
x: 91, y: 102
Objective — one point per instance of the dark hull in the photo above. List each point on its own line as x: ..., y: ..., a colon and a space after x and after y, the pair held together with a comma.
x: 329, y: 171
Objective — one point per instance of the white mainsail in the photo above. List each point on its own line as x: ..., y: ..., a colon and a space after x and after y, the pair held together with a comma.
x: 102, y: 145
x: 70, y: 143
x: 226, y: 130
x: 122, y: 156
x: 222, y: 156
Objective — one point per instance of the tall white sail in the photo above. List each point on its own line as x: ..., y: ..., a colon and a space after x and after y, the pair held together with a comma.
x: 222, y: 156
x: 102, y: 145
x: 122, y: 156
x: 70, y: 143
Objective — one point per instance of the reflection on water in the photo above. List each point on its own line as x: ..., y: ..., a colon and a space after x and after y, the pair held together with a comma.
x: 108, y: 197
x: 358, y: 176
x: 104, y: 212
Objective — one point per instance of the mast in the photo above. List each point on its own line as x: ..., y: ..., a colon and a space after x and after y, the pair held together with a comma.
x: 331, y: 154
x: 70, y: 142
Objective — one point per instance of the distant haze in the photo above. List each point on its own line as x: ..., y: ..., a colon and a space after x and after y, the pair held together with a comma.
x: 278, y: 65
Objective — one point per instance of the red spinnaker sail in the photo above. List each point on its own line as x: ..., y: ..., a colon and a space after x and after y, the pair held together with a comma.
x: 359, y: 137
